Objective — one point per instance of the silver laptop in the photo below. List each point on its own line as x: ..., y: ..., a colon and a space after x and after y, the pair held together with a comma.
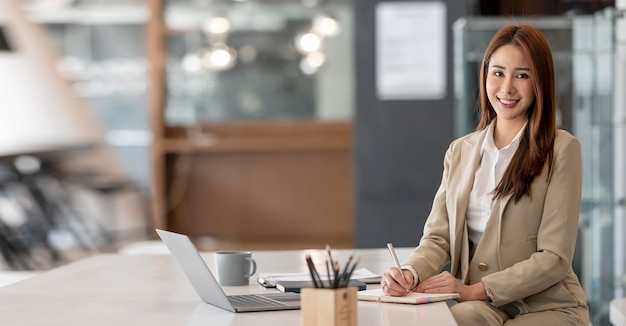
x: 209, y: 289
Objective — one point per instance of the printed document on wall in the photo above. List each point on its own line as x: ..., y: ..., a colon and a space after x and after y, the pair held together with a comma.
x: 410, y: 50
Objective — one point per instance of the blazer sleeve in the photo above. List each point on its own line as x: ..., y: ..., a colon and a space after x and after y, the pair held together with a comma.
x: 433, y: 252
x: 556, y: 237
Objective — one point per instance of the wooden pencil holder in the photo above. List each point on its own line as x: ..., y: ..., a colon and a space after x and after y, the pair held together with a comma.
x: 329, y: 307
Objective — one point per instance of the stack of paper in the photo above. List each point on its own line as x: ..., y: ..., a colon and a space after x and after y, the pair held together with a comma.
x: 269, y: 280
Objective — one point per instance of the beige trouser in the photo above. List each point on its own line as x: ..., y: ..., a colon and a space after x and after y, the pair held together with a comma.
x: 481, y: 313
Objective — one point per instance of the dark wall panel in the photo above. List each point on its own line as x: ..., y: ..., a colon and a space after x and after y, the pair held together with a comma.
x: 399, y: 145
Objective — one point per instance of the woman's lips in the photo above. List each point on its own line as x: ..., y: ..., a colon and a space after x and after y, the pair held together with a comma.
x: 508, y: 102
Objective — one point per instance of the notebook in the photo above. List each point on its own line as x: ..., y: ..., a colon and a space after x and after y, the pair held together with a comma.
x: 209, y: 289
x: 411, y: 298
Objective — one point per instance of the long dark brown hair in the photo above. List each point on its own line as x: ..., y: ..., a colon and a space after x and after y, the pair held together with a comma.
x: 537, y: 142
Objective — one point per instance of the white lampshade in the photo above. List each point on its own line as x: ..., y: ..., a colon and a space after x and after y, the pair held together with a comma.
x: 39, y: 111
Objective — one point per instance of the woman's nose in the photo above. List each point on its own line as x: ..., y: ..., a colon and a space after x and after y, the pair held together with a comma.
x: 507, y: 86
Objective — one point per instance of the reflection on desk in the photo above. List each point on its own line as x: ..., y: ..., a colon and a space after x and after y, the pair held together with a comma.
x: 204, y: 312
x: 110, y: 289
x: 617, y: 312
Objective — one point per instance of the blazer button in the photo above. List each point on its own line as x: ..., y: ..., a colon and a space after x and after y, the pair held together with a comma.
x: 483, y: 267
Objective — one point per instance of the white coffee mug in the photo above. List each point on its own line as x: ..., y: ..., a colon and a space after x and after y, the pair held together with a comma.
x: 234, y: 267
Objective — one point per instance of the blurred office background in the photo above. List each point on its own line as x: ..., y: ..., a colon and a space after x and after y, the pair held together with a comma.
x: 267, y: 124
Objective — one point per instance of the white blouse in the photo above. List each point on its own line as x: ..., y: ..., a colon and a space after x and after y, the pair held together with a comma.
x: 492, y: 165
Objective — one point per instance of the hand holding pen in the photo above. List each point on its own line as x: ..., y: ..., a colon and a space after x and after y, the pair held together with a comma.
x: 395, y: 282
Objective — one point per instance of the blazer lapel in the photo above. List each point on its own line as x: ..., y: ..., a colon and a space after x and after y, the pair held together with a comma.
x: 470, y: 155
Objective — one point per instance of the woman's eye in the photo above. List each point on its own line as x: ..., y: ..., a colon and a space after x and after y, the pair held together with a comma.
x: 522, y: 76
x: 498, y: 73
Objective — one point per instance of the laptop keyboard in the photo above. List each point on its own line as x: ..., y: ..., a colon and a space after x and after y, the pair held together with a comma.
x: 252, y: 300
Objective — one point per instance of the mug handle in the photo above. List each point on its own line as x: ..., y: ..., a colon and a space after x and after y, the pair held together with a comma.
x: 252, y: 266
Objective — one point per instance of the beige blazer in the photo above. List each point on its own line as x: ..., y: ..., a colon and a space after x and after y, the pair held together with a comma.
x: 525, y: 254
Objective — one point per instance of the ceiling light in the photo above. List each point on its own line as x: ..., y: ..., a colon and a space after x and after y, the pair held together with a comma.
x: 315, y: 59
x: 326, y: 26
x: 216, y: 25
x: 311, y: 63
x: 220, y: 57
x: 192, y: 62
x: 308, y: 42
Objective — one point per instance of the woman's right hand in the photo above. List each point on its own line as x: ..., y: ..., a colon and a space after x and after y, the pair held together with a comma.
x: 394, y: 284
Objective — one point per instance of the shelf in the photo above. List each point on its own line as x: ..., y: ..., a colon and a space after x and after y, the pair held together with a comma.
x: 260, y: 137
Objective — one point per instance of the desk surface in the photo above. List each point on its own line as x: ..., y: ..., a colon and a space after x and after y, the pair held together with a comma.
x: 113, y: 289
x: 617, y: 312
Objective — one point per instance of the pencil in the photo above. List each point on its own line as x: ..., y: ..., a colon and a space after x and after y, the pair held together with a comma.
x: 330, y: 257
x: 345, y: 278
x: 356, y: 262
x: 313, y: 271
x: 328, y: 274
x: 336, y: 280
x: 345, y: 268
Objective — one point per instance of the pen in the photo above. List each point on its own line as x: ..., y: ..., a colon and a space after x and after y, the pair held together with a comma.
x: 395, y: 260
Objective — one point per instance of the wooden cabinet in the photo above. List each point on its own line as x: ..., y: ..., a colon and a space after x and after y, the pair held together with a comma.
x: 283, y: 183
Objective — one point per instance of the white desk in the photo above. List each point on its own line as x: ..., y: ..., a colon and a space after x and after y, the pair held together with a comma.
x: 617, y: 312
x: 113, y: 289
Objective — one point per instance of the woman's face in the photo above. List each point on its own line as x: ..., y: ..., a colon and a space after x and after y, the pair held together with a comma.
x: 509, y: 84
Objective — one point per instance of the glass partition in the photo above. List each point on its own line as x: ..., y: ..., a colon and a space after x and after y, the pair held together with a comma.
x: 619, y: 136
x: 593, y: 82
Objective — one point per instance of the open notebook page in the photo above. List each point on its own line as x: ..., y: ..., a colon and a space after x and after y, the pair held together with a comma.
x: 411, y: 298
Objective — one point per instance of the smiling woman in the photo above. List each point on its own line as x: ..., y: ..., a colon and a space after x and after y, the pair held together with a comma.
x: 506, y: 214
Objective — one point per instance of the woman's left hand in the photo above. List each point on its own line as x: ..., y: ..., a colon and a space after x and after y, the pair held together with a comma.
x: 446, y: 283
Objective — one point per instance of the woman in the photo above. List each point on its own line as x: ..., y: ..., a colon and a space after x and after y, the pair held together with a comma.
x: 506, y: 213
